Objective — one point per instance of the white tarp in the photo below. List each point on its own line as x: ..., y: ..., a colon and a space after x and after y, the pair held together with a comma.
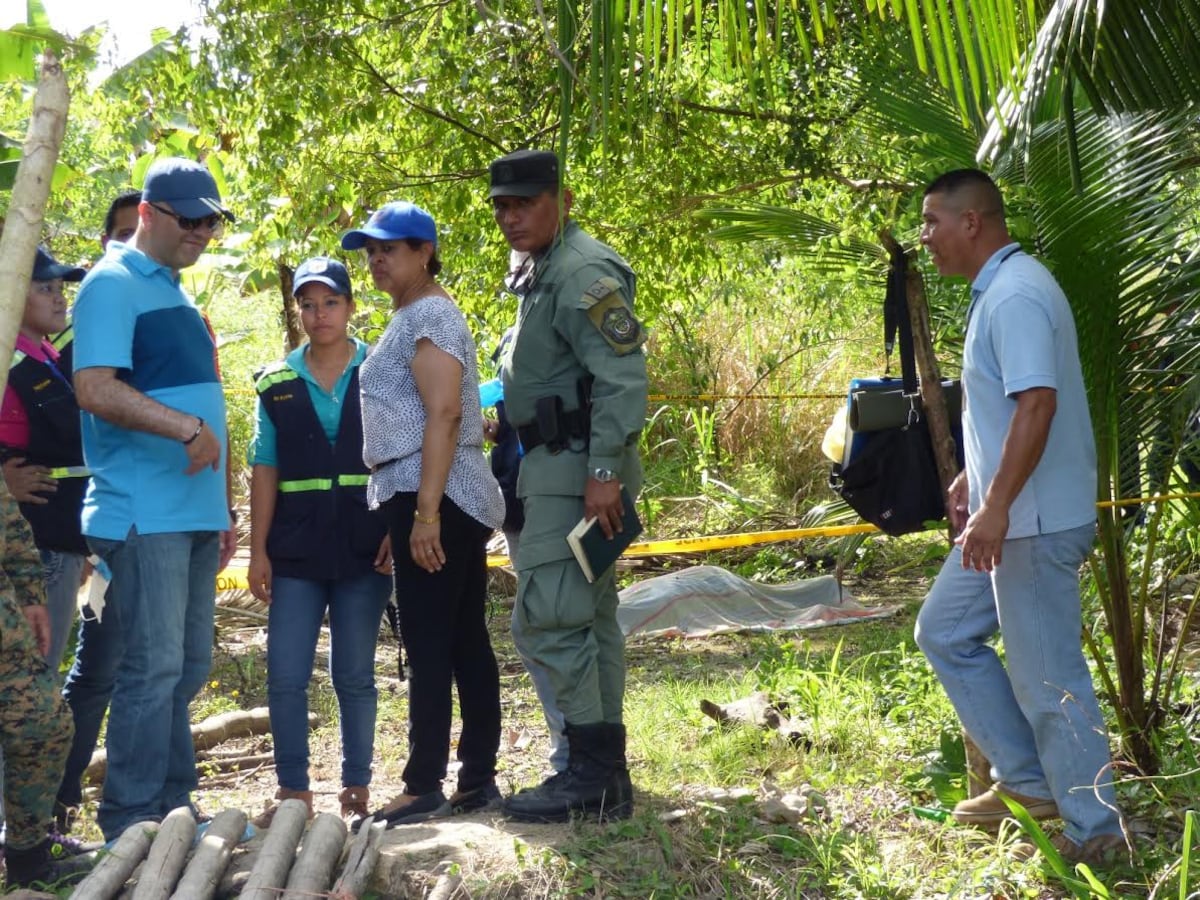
x: 705, y: 600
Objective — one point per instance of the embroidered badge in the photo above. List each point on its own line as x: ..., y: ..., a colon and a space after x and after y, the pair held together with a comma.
x: 318, y: 265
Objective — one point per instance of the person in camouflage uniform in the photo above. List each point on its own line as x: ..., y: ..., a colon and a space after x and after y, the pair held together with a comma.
x: 35, y: 726
x: 575, y: 388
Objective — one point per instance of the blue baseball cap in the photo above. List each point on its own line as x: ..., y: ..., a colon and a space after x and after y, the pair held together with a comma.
x: 47, y: 268
x: 393, y: 221
x: 322, y: 270
x: 186, y: 185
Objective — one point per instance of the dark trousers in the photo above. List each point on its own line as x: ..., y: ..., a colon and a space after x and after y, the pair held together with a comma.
x: 444, y: 629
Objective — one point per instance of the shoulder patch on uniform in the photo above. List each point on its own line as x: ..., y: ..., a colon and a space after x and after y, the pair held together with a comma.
x: 617, y: 324
x: 601, y: 288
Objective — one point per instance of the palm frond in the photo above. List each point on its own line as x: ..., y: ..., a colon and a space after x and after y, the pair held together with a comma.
x: 824, y: 243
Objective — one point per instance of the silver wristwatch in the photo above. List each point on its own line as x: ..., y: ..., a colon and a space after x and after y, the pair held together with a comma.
x: 604, y: 476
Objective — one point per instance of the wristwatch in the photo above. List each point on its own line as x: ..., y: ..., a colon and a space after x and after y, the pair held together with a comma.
x: 604, y: 476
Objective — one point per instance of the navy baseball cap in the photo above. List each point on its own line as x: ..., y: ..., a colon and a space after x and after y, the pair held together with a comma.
x: 47, y: 268
x: 185, y: 184
x: 393, y: 221
x: 322, y: 270
x: 525, y: 173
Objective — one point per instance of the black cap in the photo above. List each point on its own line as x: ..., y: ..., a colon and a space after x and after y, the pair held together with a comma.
x: 525, y: 173
x: 47, y: 268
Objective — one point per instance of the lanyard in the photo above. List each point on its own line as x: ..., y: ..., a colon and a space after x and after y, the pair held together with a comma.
x: 975, y: 297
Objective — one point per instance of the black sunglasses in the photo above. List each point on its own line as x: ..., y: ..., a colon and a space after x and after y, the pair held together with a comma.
x: 187, y: 223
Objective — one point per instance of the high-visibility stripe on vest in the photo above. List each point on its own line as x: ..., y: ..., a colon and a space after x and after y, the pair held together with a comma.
x: 56, y: 443
x: 322, y: 528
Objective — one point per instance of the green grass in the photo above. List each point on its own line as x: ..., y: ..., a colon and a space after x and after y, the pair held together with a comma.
x: 878, y: 741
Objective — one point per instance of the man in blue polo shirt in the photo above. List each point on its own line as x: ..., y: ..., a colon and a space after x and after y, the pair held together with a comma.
x: 1025, y: 514
x: 157, y: 510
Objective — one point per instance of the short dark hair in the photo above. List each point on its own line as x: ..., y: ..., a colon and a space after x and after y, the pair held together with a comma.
x: 124, y: 200
x: 435, y: 264
x: 978, y: 182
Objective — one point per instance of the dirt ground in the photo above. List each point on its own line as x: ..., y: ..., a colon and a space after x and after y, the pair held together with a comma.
x: 477, y: 847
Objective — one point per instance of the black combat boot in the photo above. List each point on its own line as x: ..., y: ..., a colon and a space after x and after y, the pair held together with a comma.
x: 586, y: 787
x: 620, y: 804
x: 36, y: 868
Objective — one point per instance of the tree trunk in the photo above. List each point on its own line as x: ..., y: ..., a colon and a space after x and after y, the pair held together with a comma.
x: 27, y: 206
x: 208, y: 865
x: 360, y: 863
x: 319, y: 856
x: 167, y: 856
x: 270, y: 872
x: 291, y: 320
x: 108, y: 878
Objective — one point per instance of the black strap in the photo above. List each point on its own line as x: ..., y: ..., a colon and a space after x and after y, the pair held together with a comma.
x: 896, y: 321
x: 393, y: 617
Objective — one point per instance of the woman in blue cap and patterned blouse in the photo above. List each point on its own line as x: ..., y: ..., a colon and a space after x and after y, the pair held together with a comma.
x: 423, y: 440
x: 315, y: 547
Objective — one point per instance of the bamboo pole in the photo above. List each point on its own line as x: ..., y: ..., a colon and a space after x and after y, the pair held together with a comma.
x: 270, y: 872
x: 167, y: 856
x: 27, y: 206
x: 360, y: 862
x: 108, y: 878
x: 322, y: 851
x: 204, y: 873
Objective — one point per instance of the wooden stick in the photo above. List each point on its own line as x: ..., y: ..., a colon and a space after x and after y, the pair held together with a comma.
x: 278, y: 851
x: 319, y: 856
x: 360, y: 862
x: 27, y: 203
x: 106, y: 880
x: 211, y: 859
x: 209, y: 733
x: 445, y: 888
x: 167, y: 856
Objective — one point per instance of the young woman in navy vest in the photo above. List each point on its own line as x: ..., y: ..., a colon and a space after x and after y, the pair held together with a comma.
x: 41, y: 444
x: 315, y: 547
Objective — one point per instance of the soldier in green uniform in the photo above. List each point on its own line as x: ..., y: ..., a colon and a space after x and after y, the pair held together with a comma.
x: 35, y: 725
x: 574, y: 379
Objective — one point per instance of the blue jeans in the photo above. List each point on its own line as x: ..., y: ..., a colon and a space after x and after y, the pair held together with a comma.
x: 89, y: 687
x: 298, y: 606
x: 1037, y: 721
x: 560, y: 749
x: 162, y: 597
x: 62, y: 574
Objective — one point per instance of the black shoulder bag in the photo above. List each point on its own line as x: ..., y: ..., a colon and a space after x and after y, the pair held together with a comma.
x: 891, y: 478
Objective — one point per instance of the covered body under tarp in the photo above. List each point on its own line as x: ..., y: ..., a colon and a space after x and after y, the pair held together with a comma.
x: 706, y: 600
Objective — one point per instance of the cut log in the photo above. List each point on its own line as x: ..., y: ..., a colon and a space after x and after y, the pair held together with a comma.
x: 270, y: 872
x: 108, y: 878
x: 445, y: 888
x: 27, y: 203
x: 167, y: 856
x: 211, y: 859
x: 322, y: 851
x: 209, y: 733
x: 360, y: 863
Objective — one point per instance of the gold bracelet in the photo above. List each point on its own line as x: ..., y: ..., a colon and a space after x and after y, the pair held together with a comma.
x: 426, y: 520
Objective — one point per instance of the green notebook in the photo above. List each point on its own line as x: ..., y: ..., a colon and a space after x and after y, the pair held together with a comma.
x: 593, y: 550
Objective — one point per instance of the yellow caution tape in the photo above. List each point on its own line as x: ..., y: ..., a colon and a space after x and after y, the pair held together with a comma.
x: 234, y: 579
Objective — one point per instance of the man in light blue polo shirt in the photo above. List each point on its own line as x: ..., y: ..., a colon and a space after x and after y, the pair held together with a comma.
x: 157, y: 510
x: 1024, y: 510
